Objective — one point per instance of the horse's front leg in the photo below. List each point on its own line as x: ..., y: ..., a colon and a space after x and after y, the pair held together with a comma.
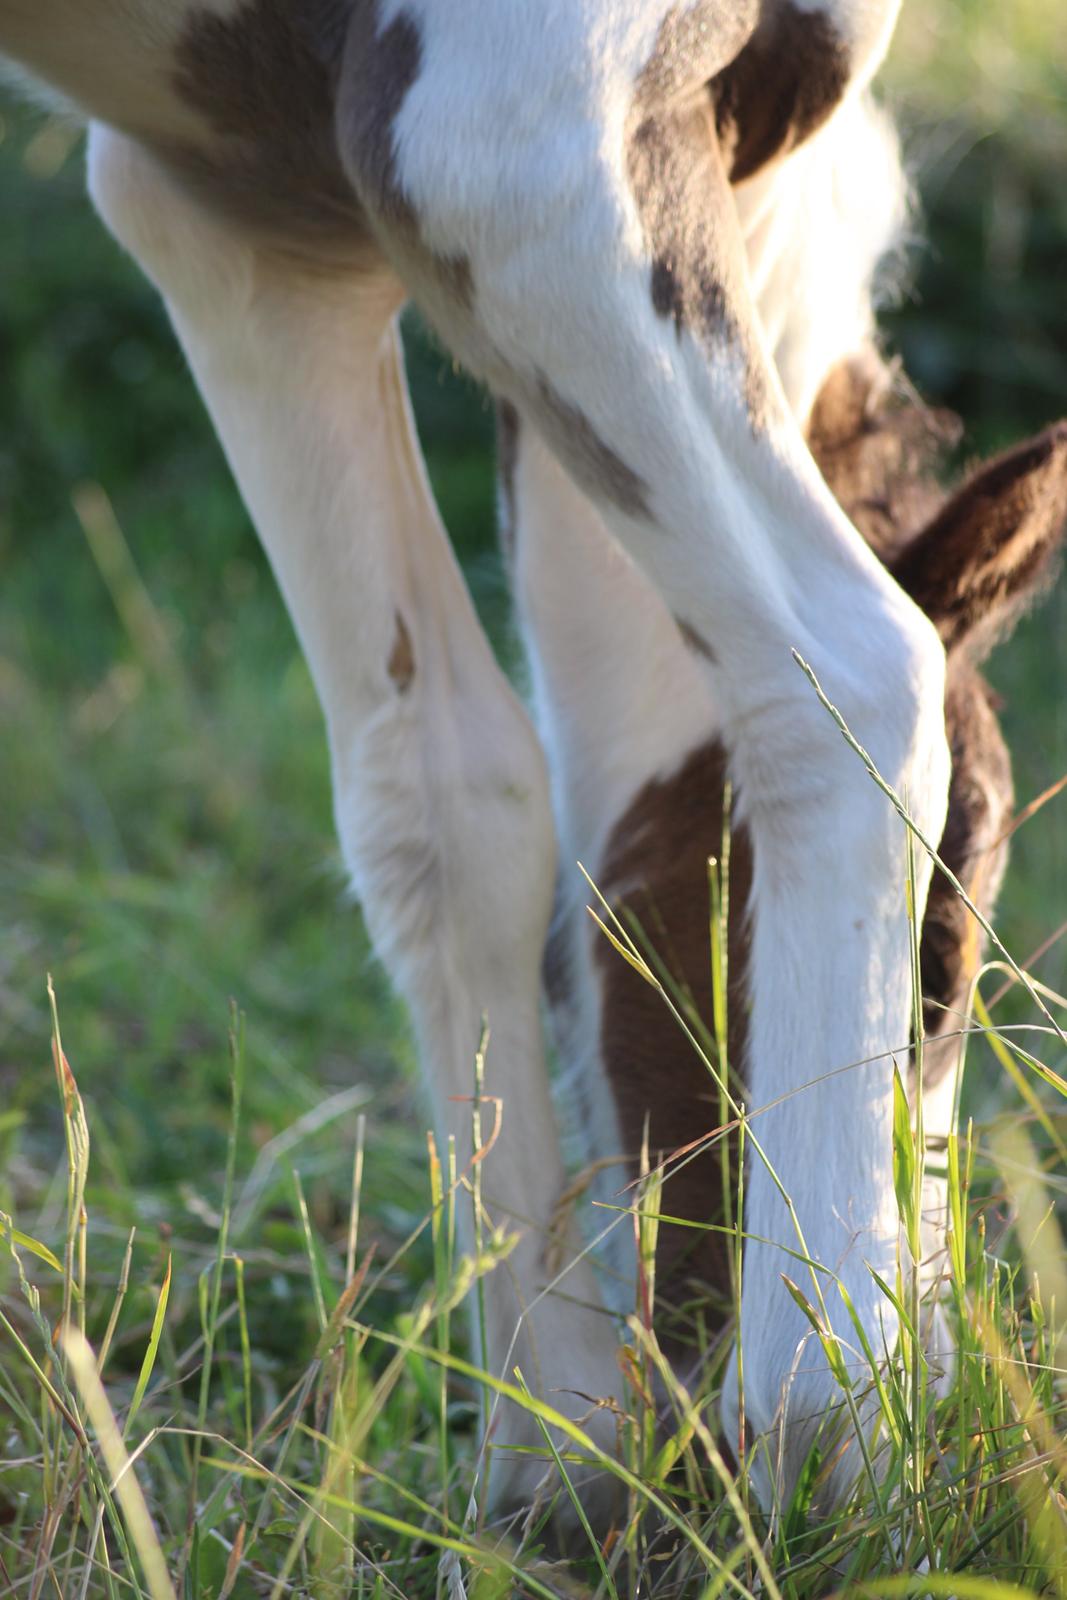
x: 556, y: 196
x: 440, y: 788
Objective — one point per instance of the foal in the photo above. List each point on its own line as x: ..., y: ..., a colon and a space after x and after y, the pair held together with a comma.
x: 601, y: 204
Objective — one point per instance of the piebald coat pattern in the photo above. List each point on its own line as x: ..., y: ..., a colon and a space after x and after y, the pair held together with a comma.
x: 652, y: 228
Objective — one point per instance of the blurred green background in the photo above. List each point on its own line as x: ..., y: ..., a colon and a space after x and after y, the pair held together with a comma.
x: 165, y: 823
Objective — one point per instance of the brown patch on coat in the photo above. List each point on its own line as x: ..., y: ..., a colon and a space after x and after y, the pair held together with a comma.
x: 601, y: 470
x: 401, y: 665
x: 782, y: 86
x: 507, y: 462
x: 264, y: 80
x: 679, y: 184
x: 655, y: 867
x: 380, y: 67
x: 994, y: 544
x: 879, y: 450
x: 694, y: 45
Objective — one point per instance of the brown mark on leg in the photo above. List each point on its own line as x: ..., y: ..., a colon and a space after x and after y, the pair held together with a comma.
x: 679, y: 184
x: 784, y: 85
x: 379, y: 68
x: 655, y: 868
x: 594, y: 463
x: 402, y: 657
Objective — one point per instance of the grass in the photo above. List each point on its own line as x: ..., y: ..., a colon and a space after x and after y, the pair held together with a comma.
x: 165, y: 845
x: 157, y: 1444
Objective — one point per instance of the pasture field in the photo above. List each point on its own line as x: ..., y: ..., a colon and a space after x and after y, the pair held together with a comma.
x: 270, y: 1289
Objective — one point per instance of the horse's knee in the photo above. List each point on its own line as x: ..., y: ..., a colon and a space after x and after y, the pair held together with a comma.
x: 445, y: 821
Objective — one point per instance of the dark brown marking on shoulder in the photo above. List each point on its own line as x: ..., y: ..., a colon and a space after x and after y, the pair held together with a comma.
x: 600, y: 468
x: 507, y: 462
x: 695, y: 641
x: 264, y: 80
x: 380, y: 67
x: 781, y: 88
x: 402, y: 657
x: 680, y: 188
x: 655, y: 865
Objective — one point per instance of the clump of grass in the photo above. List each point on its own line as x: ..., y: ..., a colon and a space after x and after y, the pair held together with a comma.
x: 200, y: 1465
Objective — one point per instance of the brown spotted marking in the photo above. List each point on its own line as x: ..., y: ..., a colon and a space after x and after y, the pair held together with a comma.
x: 655, y: 866
x: 380, y: 66
x: 402, y: 657
x: 264, y: 80
x: 783, y: 85
x: 676, y: 171
x: 595, y: 464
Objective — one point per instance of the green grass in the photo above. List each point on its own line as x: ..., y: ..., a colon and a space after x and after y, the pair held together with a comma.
x: 191, y: 1455
x: 166, y: 845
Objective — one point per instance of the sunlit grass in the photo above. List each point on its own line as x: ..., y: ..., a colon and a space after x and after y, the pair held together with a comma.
x: 180, y: 1458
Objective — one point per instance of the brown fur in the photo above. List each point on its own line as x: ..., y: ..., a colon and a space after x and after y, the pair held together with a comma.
x: 264, y: 81
x: 780, y: 89
x: 675, y: 170
x: 378, y: 69
x: 592, y: 460
x: 878, y: 451
x: 655, y: 864
x: 994, y: 545
x: 401, y: 665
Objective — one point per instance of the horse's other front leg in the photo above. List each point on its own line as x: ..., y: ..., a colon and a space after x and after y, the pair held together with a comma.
x: 440, y: 787
x: 554, y: 190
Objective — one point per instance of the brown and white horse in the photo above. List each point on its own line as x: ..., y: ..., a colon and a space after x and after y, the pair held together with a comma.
x: 652, y: 228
